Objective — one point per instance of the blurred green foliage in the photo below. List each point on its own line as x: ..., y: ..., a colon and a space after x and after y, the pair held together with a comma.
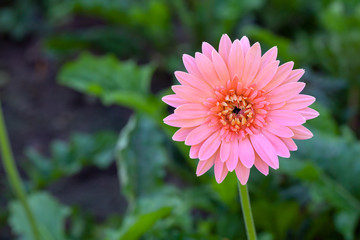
x: 127, y: 84
x: 48, y: 212
x: 68, y: 158
x: 314, y: 195
x: 138, y: 177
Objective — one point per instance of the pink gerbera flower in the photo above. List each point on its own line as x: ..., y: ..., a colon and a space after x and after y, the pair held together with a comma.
x: 237, y: 108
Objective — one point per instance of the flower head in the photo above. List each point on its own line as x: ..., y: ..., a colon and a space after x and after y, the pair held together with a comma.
x: 237, y: 108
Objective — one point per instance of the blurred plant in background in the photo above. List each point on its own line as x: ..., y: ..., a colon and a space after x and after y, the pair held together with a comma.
x: 124, y: 53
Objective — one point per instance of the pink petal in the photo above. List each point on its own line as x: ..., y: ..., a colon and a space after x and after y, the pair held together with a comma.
x: 290, y: 144
x: 219, y: 170
x: 204, y: 166
x: 279, y: 130
x: 279, y: 146
x: 190, y: 65
x: 286, y: 117
x: 286, y: 91
x: 245, y: 44
x: 191, y: 111
x: 301, y: 132
x: 207, y: 49
x: 295, y: 75
x: 242, y: 173
x: 199, y: 134
x: 173, y: 100
x: 265, y: 150
x: 224, y: 46
x: 181, y: 134
x: 210, y: 146
x: 233, y: 159
x: 308, y: 113
x: 225, y: 151
x: 175, y: 121
x: 246, y: 152
x: 194, y: 151
x: 261, y: 165
x: 281, y: 74
x: 277, y: 105
x: 268, y: 57
x: 195, y: 82
x: 220, y: 67
x: 251, y: 64
x: 189, y: 93
x: 298, y: 102
x: 207, y: 69
x: 236, y: 60
x: 266, y: 74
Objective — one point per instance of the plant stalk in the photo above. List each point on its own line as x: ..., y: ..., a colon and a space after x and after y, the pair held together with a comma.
x: 247, y: 214
x: 13, y: 175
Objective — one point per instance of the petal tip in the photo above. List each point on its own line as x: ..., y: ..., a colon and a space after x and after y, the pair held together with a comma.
x: 225, y: 36
x: 243, y: 182
x: 162, y: 99
x: 257, y: 45
x: 186, y: 57
x: 165, y: 120
x: 230, y: 168
x: 244, y: 38
x: 219, y: 180
x: 198, y: 54
x: 316, y: 113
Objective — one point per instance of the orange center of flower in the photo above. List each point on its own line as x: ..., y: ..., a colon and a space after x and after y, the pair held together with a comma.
x: 238, y: 111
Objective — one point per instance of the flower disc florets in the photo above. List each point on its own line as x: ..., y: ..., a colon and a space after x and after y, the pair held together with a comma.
x: 239, y: 111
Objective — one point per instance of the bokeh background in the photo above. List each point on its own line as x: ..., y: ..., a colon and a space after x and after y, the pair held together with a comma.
x: 81, y: 83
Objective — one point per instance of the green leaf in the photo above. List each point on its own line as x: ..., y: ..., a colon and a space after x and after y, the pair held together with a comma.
x: 345, y: 222
x: 333, y: 17
x: 48, y: 212
x: 137, y: 226
x: 105, y: 74
x: 112, y: 81
x: 142, y: 156
x: 18, y: 19
x: 275, y: 217
x: 305, y: 171
x: 105, y: 38
x: 227, y: 190
x: 68, y: 158
x: 333, y: 154
x: 322, y: 187
x: 165, y: 214
x: 329, y: 154
x: 265, y: 236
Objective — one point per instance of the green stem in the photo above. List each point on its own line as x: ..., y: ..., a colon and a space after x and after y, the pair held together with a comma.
x: 13, y: 175
x: 247, y: 214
